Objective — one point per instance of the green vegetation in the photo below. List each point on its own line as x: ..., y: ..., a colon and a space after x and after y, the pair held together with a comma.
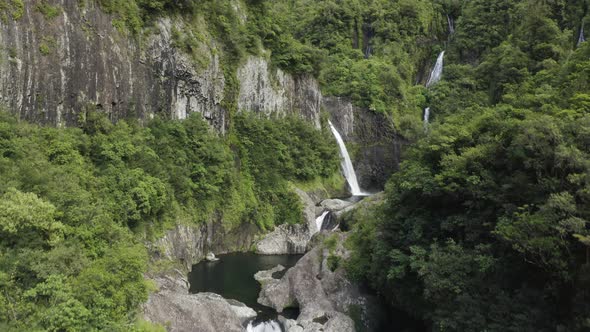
x: 76, y: 205
x: 11, y: 9
x: 48, y: 11
x: 485, y: 226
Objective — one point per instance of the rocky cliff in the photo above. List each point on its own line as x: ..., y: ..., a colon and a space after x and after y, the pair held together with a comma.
x: 53, y: 69
x: 376, y: 147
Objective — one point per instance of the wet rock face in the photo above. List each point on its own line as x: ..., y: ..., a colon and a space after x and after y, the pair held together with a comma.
x: 379, y: 147
x: 54, y: 70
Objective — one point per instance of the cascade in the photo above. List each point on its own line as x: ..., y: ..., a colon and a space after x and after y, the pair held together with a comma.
x: 319, y: 221
x: 347, y: 167
x: 435, y: 76
x: 451, y: 25
x: 436, y: 73
x: 581, y: 39
x: 426, y: 115
x: 270, y: 326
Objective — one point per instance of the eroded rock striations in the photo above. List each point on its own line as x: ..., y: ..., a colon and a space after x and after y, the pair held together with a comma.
x: 53, y: 70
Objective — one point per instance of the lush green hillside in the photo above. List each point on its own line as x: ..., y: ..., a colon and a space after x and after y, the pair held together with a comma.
x: 76, y: 205
x: 485, y: 225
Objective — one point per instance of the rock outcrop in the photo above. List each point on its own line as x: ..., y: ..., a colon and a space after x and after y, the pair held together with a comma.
x: 324, y: 297
x: 172, y: 306
x: 379, y: 146
x: 55, y: 69
x: 189, y: 244
x: 291, y: 239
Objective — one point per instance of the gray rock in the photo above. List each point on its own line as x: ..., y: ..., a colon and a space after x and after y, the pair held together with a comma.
x: 322, y: 296
x: 243, y: 312
x: 285, y: 239
x: 91, y: 65
x: 291, y: 239
x: 380, y: 152
x: 189, y: 244
x: 335, y: 204
x: 173, y: 307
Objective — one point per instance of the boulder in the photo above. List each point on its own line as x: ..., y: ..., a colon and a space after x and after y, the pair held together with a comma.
x: 335, y: 204
x: 323, y: 296
x: 291, y: 239
x: 173, y: 307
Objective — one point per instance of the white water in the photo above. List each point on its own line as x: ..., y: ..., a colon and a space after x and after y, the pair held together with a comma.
x: 270, y: 326
x: 451, y: 25
x: 319, y: 221
x: 347, y: 168
x: 436, y: 73
x: 426, y: 115
x: 581, y: 39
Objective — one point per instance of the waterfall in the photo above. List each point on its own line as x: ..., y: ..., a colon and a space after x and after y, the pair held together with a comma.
x: 436, y: 73
x: 451, y: 25
x: 347, y: 168
x: 270, y: 326
x: 426, y: 116
x: 581, y: 39
x: 319, y: 221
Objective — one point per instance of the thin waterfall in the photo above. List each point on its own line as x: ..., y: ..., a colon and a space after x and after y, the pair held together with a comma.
x: 434, y: 78
x: 347, y: 167
x: 319, y: 221
x: 436, y: 73
x: 451, y: 25
x: 581, y: 38
x: 426, y: 116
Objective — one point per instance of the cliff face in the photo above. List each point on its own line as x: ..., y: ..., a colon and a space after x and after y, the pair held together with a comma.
x: 377, y: 147
x: 52, y: 70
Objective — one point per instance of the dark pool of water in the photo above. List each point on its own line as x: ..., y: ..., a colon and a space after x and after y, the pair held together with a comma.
x: 232, y: 277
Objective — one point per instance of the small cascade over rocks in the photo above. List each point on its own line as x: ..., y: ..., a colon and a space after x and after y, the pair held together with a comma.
x: 436, y: 73
x: 270, y: 326
x: 581, y: 38
x: 347, y: 167
x: 319, y: 221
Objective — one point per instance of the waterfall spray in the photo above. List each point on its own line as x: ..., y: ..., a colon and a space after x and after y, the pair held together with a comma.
x: 581, y: 38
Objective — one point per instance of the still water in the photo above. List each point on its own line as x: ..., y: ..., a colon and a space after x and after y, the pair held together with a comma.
x: 232, y: 277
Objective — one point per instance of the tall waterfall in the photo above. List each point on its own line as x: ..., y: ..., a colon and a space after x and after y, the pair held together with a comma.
x: 347, y: 168
x: 436, y: 73
x: 581, y: 38
x: 451, y: 25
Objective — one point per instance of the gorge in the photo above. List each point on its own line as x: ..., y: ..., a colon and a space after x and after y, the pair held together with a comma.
x: 294, y: 165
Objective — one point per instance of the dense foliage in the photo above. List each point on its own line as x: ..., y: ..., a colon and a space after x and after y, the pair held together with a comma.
x: 485, y: 226
x: 76, y: 204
